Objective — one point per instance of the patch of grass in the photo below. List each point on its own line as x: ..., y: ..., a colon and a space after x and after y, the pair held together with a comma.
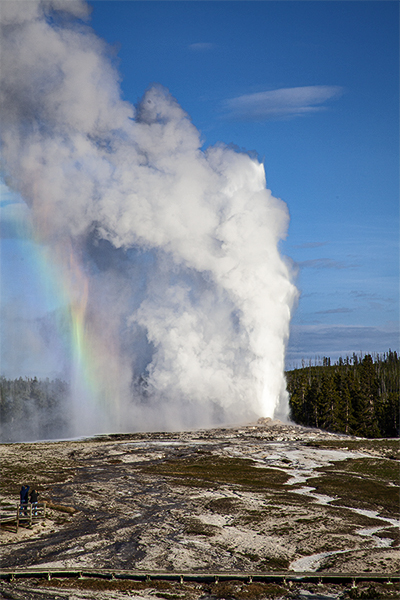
x: 274, y: 563
x: 224, y: 506
x: 284, y: 529
x: 210, y: 470
x: 310, y: 520
x: 94, y: 584
x: 250, y: 556
x: 349, y: 523
x: 393, y: 534
x: 358, y: 492
x: 385, y: 470
x: 252, y: 517
x: 122, y: 585
x: 361, y: 483
x: 233, y: 590
x: 273, y: 511
x: 286, y: 497
x: 256, y: 591
x: 251, y: 591
x: 370, y: 593
x: 36, y: 474
x: 196, y: 527
x: 388, y: 448
x: 225, y: 589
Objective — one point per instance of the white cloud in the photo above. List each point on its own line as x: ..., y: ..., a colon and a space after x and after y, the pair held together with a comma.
x: 166, y: 256
x: 281, y: 103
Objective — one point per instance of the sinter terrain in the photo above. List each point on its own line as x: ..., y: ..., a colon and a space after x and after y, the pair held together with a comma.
x: 265, y: 497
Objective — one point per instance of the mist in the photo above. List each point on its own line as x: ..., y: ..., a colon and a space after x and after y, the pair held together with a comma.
x: 175, y: 300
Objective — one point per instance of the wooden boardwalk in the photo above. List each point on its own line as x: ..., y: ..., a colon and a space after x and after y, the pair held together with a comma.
x: 12, y: 574
x: 26, y: 514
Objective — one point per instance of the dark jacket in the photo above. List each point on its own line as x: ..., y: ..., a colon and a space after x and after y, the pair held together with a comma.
x: 24, y: 494
x: 34, y: 496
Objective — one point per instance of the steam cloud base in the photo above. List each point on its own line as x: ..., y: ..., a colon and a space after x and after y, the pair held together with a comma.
x: 173, y: 301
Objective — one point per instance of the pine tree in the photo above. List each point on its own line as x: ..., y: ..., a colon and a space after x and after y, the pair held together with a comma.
x: 354, y: 396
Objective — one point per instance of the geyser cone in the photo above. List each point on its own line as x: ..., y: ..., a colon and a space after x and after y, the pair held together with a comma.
x: 183, y: 310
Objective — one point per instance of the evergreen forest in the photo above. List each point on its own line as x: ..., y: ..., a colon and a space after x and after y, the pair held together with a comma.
x: 33, y: 409
x: 358, y: 395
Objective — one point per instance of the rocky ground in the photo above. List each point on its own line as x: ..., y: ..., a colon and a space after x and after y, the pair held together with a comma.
x: 260, y: 498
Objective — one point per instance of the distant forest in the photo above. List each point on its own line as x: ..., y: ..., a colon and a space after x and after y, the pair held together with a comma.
x: 357, y: 396
x: 33, y: 409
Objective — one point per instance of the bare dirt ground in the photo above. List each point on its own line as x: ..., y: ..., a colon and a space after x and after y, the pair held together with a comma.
x: 260, y: 498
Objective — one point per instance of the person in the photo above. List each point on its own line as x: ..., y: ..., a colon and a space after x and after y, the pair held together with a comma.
x: 33, y: 498
x: 23, y: 496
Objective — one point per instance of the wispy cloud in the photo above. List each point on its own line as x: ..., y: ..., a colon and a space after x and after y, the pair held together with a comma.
x: 372, y: 297
x: 281, y: 103
x: 373, y: 300
x: 308, y: 341
x: 202, y: 46
x: 324, y: 263
x: 334, y: 311
x: 310, y: 245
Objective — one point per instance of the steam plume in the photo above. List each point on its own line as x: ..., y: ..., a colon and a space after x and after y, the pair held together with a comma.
x: 177, y: 300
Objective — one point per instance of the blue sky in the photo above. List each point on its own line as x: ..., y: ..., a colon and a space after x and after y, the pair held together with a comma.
x: 331, y: 151
x: 313, y: 89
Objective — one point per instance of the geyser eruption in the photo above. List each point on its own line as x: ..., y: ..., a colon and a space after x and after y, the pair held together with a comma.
x: 176, y: 300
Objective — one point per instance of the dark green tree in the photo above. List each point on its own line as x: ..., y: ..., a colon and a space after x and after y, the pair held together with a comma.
x: 358, y: 396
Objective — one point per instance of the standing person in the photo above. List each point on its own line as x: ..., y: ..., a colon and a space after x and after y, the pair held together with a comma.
x: 34, y: 501
x: 24, y: 498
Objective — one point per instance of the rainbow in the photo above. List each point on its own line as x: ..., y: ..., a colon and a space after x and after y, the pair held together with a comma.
x: 93, y: 356
x: 62, y: 284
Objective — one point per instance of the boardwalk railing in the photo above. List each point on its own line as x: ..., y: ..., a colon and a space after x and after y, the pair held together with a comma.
x: 26, y: 513
x: 286, y: 577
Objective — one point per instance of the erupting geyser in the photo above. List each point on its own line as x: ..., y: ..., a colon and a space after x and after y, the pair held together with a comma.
x: 176, y: 300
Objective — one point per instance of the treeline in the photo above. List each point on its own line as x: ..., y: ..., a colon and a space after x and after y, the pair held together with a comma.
x: 357, y: 396
x: 32, y: 409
